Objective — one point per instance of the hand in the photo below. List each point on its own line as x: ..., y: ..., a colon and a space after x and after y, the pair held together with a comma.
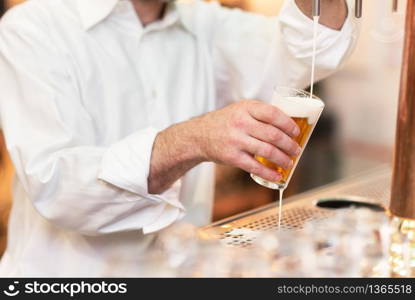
x: 234, y: 134
x: 333, y: 12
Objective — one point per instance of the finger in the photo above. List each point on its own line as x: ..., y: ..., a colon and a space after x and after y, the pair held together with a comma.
x: 251, y: 165
x: 268, y: 151
x: 272, y: 135
x: 272, y: 115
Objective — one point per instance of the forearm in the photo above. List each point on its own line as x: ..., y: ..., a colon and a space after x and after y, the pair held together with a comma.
x: 232, y: 136
x: 333, y: 12
x: 175, y: 152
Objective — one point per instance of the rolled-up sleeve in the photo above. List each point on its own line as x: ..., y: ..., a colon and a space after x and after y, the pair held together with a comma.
x: 73, y: 180
x: 253, y: 53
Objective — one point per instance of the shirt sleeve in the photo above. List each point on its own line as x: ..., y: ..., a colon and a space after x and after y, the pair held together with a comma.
x: 72, y: 180
x: 253, y: 53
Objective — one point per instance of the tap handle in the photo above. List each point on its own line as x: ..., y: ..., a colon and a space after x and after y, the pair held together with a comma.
x: 316, y: 8
x: 395, y: 5
x: 358, y: 8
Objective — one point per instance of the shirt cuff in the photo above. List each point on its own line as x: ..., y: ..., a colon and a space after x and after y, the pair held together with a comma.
x: 126, y: 165
x: 171, y: 212
x: 297, y: 30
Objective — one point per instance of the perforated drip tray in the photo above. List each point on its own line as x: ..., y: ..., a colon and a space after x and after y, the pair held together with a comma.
x: 369, y: 190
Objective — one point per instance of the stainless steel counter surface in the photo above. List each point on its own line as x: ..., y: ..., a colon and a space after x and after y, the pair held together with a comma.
x: 370, y: 187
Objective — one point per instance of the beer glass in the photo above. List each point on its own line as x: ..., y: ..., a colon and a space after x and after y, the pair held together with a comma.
x: 305, y: 110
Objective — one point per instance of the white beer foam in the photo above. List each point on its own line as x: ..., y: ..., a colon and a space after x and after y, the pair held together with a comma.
x: 300, y: 107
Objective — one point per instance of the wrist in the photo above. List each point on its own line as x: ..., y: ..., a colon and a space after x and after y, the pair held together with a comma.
x: 174, y: 153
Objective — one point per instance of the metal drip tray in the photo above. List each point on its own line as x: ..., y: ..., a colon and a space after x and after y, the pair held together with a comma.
x: 371, y: 188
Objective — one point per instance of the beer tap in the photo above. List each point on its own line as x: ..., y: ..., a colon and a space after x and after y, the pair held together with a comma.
x: 316, y: 8
x: 358, y: 8
x: 395, y: 5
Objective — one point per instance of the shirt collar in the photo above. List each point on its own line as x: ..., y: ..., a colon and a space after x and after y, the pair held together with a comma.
x: 93, y: 12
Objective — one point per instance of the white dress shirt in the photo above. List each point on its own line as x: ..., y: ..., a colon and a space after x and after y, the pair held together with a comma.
x: 86, y: 88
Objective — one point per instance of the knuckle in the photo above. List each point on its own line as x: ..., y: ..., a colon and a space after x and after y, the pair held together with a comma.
x: 229, y: 157
x: 288, y: 144
x: 245, y: 102
x: 290, y: 125
x: 274, y: 113
x: 285, y: 160
x: 293, y: 125
x: 241, y: 162
x: 244, y: 105
x: 238, y: 161
x: 277, y: 136
x: 232, y: 139
x: 279, y: 157
x: 238, y: 119
x: 286, y: 121
x: 255, y: 169
x: 254, y: 104
x: 294, y: 147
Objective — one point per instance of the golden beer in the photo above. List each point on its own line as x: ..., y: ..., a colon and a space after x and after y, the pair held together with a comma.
x: 305, y: 111
x: 302, y: 139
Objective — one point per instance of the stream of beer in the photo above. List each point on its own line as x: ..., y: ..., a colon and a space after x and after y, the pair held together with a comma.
x: 313, y: 64
x: 280, y: 192
x: 313, y: 61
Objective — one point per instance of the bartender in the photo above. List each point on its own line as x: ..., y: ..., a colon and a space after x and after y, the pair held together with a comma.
x: 114, y: 110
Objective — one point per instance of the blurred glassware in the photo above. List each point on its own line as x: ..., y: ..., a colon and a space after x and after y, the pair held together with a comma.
x: 351, y: 243
x: 402, y: 247
x: 179, y: 243
x: 154, y: 265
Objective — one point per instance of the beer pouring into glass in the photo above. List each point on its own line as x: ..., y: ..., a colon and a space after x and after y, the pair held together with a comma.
x: 305, y: 110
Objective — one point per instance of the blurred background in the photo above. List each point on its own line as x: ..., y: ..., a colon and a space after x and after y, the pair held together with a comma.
x: 355, y: 133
